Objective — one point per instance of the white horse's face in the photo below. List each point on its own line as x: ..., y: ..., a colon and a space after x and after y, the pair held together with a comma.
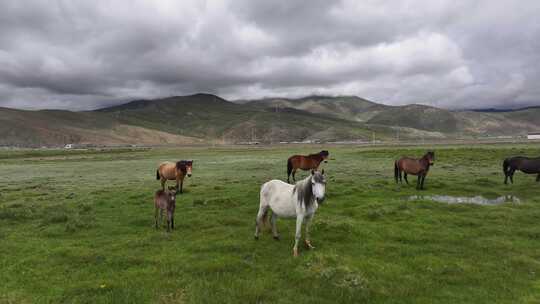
x: 318, y: 184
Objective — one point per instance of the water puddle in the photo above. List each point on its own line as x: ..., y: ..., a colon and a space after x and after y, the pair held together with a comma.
x: 477, y: 200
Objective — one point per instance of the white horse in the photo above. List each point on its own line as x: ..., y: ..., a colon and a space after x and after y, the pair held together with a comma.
x: 285, y: 200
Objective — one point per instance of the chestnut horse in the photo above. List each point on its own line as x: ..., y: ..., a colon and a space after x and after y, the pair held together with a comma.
x: 309, y: 162
x: 174, y: 171
x: 419, y: 167
x: 524, y: 164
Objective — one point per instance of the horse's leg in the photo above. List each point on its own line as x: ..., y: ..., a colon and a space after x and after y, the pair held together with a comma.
x: 172, y: 221
x: 160, y: 217
x: 511, y: 173
x: 505, y: 178
x: 405, y: 177
x: 293, y: 173
x: 181, y: 186
x: 273, y: 220
x: 299, y: 220
x: 423, y: 179
x: 178, y: 184
x: 259, y: 221
x: 308, y: 238
x: 169, y: 221
x: 163, y: 181
x: 418, y: 181
x: 156, y: 217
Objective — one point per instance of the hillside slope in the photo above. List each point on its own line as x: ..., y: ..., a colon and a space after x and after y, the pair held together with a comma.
x: 57, y: 128
x: 209, y: 116
x: 345, y: 107
x: 204, y: 118
x: 415, y: 117
x: 176, y: 120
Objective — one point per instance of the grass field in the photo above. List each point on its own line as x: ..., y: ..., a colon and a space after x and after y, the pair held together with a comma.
x: 76, y: 227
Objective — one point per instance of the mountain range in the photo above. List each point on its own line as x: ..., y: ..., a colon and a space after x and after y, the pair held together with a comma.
x: 205, y: 118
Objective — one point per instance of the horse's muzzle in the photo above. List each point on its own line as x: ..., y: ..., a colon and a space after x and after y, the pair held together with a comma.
x: 325, y: 161
x: 320, y: 200
x: 189, y: 175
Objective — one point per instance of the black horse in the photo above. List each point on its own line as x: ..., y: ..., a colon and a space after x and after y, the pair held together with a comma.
x: 524, y: 164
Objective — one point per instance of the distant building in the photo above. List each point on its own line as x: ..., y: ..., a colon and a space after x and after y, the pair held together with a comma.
x: 533, y: 135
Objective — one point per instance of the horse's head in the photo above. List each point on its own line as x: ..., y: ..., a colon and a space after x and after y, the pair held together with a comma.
x: 185, y: 166
x: 189, y: 167
x: 318, y: 185
x: 324, y: 154
x: 171, y: 194
x: 430, y: 157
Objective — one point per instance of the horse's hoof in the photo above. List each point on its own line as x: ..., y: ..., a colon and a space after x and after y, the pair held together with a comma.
x: 256, y: 238
x: 309, y: 246
x: 276, y: 237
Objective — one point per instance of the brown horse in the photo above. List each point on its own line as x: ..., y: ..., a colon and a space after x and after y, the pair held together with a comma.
x: 419, y: 167
x: 309, y: 162
x: 174, y: 171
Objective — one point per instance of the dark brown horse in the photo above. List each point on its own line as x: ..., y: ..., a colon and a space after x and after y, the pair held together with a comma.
x: 309, y: 162
x: 524, y: 164
x: 174, y: 171
x: 419, y: 167
x: 165, y: 200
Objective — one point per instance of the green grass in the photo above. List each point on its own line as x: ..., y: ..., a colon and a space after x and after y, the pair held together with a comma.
x: 77, y: 228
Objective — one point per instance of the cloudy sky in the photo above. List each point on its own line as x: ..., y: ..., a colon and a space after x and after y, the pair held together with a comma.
x: 88, y: 54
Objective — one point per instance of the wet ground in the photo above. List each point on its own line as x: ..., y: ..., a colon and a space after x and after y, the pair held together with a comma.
x: 477, y: 200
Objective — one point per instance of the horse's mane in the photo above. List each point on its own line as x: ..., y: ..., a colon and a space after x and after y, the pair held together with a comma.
x: 319, y: 154
x: 181, y: 165
x: 429, y: 153
x: 304, y: 191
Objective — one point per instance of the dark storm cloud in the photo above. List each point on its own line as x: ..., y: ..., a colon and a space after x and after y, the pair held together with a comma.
x: 88, y: 54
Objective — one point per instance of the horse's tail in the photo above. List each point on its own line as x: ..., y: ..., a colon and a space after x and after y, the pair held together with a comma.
x: 157, y: 175
x: 289, y: 166
x: 396, y: 170
x: 506, y: 164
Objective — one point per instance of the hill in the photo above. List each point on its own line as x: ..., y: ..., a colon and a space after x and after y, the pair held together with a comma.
x: 175, y: 120
x: 345, y: 107
x: 416, y: 117
x: 57, y: 128
x: 209, y: 116
x: 205, y: 118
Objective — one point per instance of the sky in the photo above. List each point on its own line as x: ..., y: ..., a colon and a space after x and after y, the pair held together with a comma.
x: 81, y: 55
